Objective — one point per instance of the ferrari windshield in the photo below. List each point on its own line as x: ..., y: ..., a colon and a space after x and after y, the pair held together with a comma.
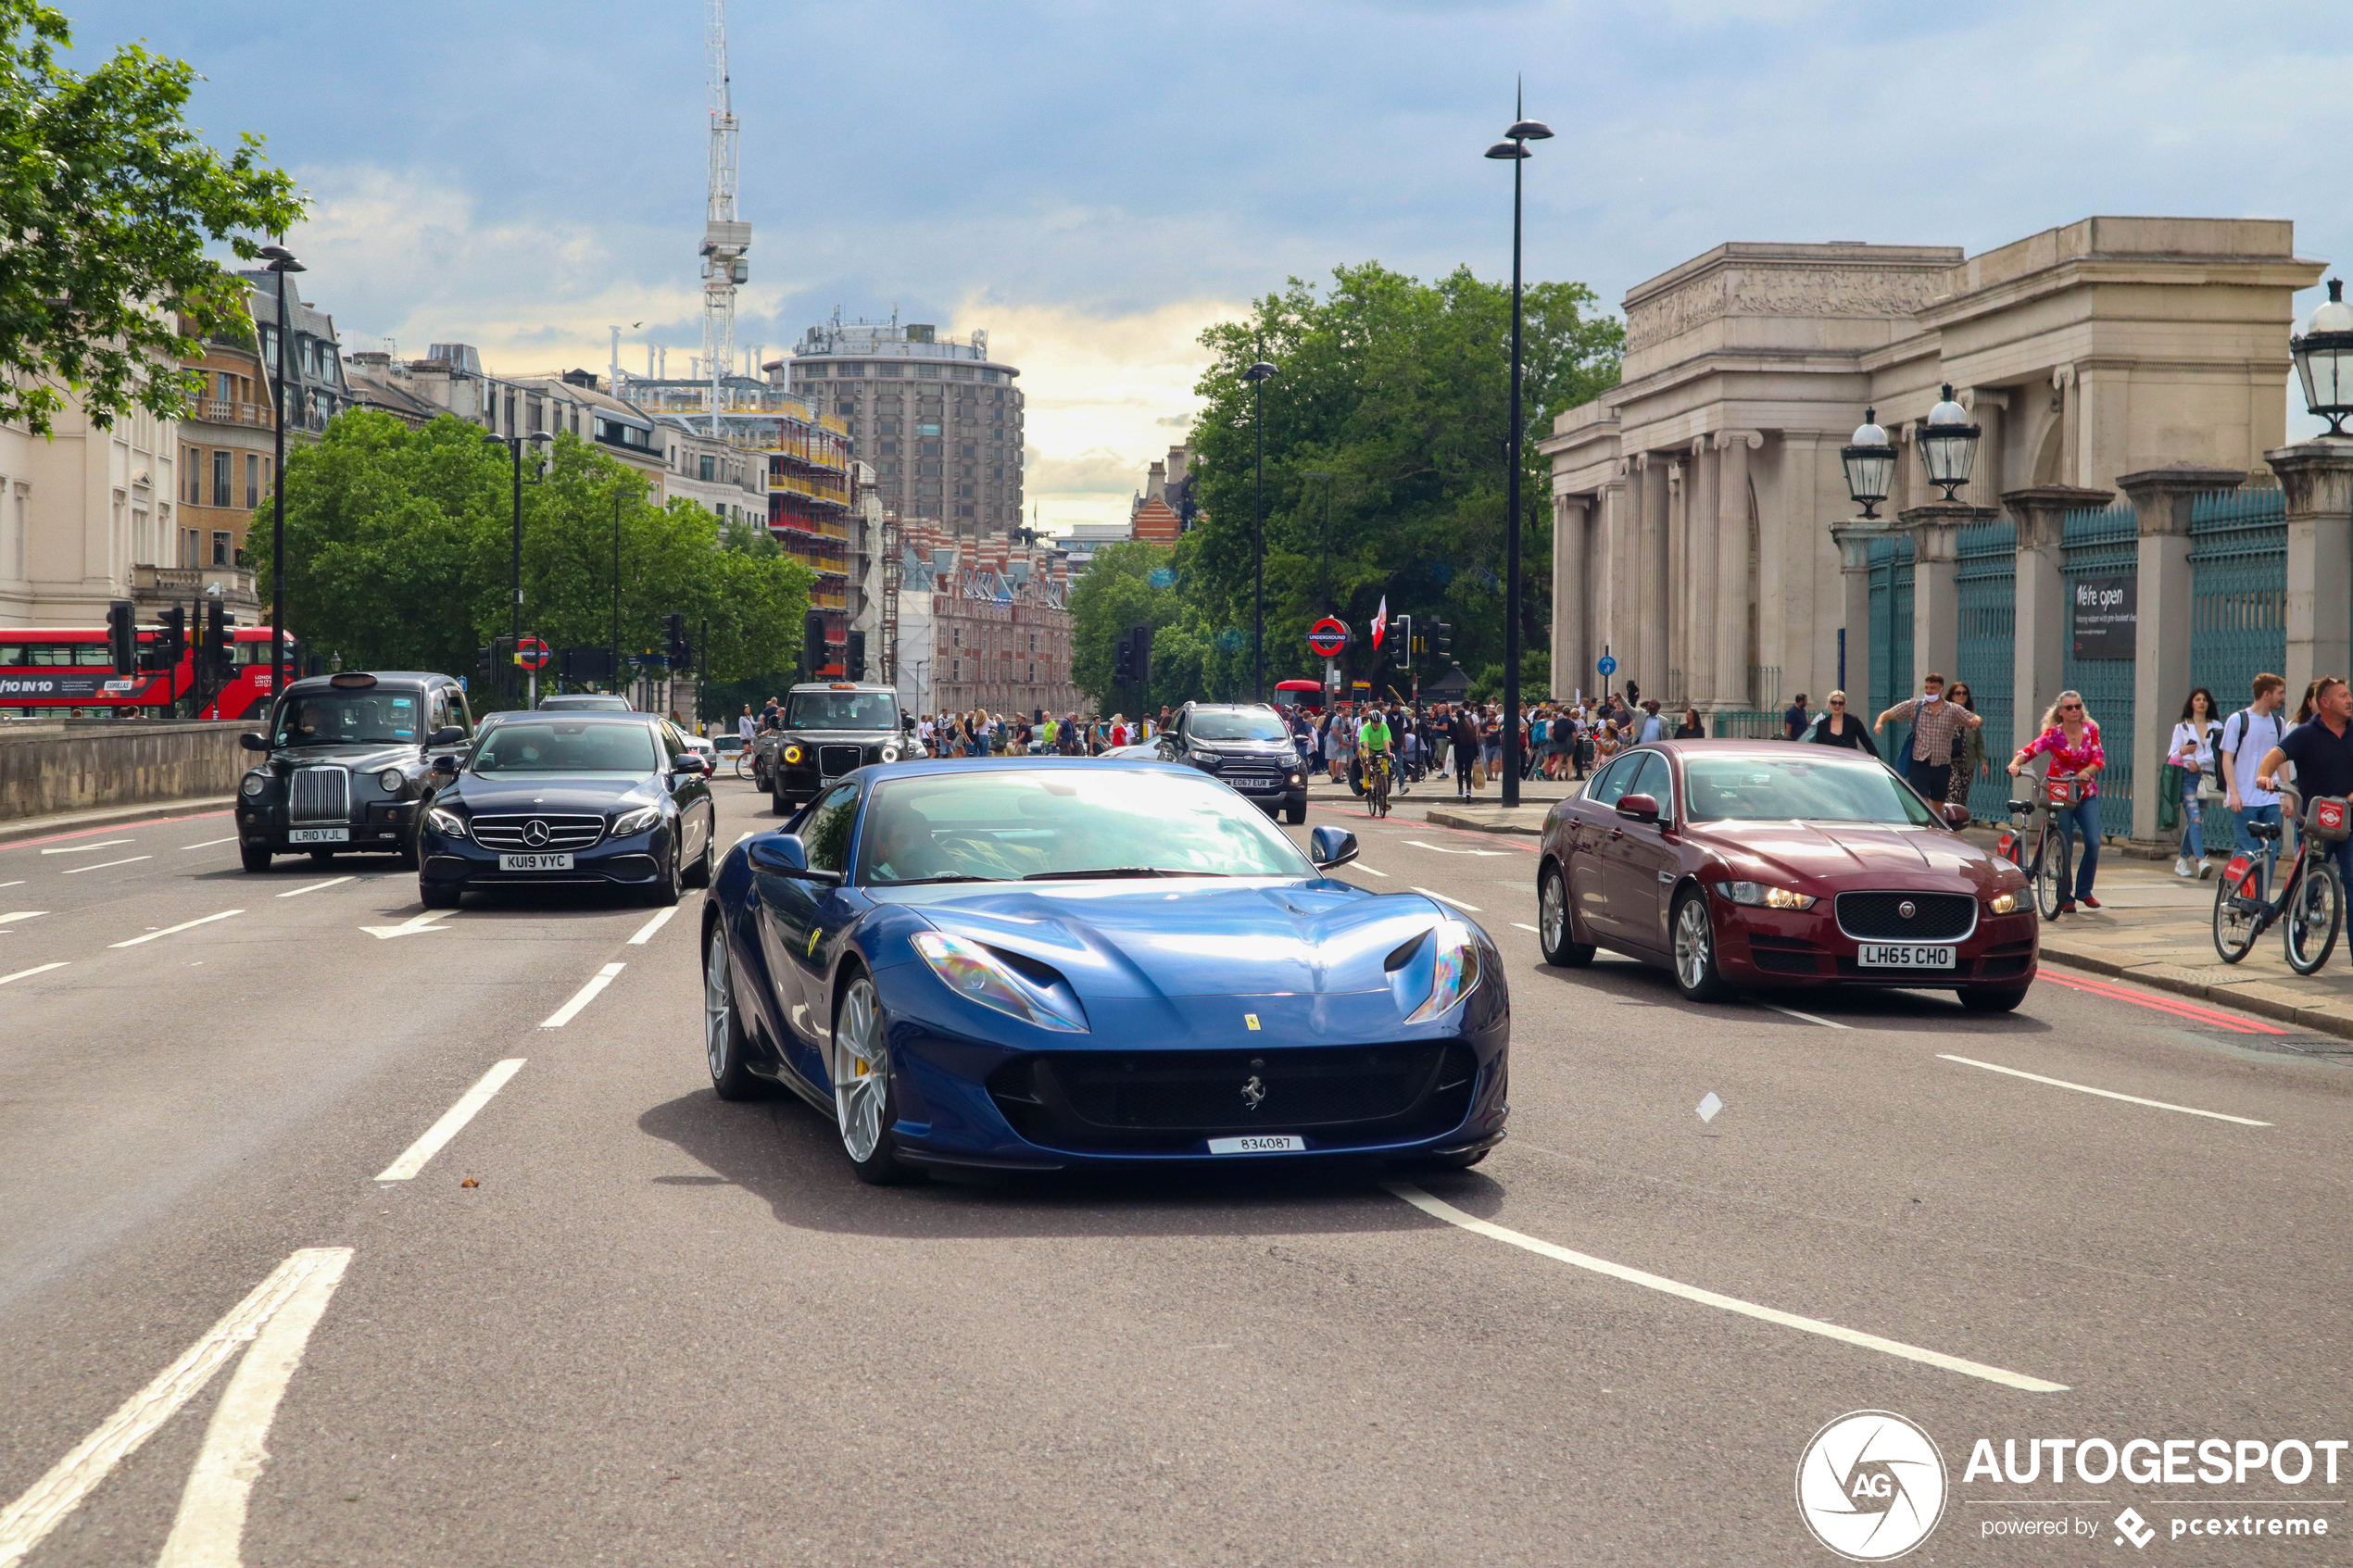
x: 841, y: 710
x: 1067, y: 824
x: 377, y: 717
x: 1757, y: 789
x: 566, y: 746
x: 1234, y: 723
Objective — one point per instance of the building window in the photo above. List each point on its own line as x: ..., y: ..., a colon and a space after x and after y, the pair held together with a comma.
x: 929, y: 427
x: 890, y: 370
x: 223, y: 548
x: 846, y: 405
x: 196, y: 477
x: 929, y: 372
x: 253, y: 481
x: 221, y: 479
x: 706, y: 466
x: 813, y: 369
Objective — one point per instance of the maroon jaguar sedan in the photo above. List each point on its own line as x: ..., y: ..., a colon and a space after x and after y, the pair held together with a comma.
x: 1751, y: 864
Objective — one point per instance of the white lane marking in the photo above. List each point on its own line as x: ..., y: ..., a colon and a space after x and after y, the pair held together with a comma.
x: 1516, y: 926
x: 19, y: 883
x: 210, y: 842
x: 644, y: 933
x: 314, y: 886
x: 1439, y: 1209
x: 741, y: 836
x: 85, y: 848
x: 1825, y: 1022
x: 103, y: 864
x: 2104, y: 1093
x: 26, y: 1521
x: 1443, y: 900
x: 410, y: 926
x: 28, y: 973
x: 21, y: 914
x: 211, y: 1528
x: 184, y: 925
x: 412, y: 1160
x: 1440, y: 848
x: 582, y: 998
x: 1363, y: 867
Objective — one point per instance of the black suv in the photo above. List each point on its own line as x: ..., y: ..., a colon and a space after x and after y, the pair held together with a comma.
x: 350, y: 757
x: 829, y: 729
x: 1246, y: 745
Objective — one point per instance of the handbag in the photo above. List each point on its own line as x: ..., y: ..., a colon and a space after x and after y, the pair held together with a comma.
x: 2209, y: 788
x: 1479, y: 775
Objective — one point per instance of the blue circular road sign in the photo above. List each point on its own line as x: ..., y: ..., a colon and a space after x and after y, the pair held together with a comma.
x: 1607, y: 665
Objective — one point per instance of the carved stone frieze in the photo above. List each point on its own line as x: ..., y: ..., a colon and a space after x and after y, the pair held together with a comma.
x: 1779, y: 291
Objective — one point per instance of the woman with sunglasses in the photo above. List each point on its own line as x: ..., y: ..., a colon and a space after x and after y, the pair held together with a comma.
x: 1838, y: 727
x: 2073, y: 743
x: 1968, y: 747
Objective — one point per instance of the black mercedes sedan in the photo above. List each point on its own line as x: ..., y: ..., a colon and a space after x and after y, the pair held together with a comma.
x: 617, y: 798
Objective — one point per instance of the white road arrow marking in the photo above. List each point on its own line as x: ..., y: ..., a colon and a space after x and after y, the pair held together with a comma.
x: 1420, y: 844
x: 410, y: 926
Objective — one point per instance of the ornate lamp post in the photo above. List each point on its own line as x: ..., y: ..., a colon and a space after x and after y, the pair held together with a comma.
x: 2324, y: 355
x: 1258, y: 375
x: 514, y: 444
x: 1869, y: 461
x: 1514, y: 148
x: 1948, y: 443
x: 281, y: 261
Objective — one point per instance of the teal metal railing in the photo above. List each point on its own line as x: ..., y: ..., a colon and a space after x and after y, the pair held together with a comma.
x: 1987, y: 662
x: 2103, y: 543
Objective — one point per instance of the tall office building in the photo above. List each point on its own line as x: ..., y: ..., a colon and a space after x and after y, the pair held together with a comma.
x: 939, y: 421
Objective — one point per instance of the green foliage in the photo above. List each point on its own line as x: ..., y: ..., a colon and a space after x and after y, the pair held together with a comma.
x: 108, y: 201
x: 1400, y: 389
x: 399, y: 549
x: 1115, y: 594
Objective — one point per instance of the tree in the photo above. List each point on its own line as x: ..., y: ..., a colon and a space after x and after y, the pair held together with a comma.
x: 1400, y: 389
x: 108, y: 201
x: 1188, y: 660
x: 399, y: 548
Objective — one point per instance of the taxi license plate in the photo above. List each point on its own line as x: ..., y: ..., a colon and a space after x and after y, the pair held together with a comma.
x: 1264, y: 1142
x: 1903, y: 954
x: 319, y: 835
x: 534, y: 862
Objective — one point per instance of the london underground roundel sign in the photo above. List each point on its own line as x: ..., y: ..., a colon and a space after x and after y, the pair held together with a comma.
x: 1328, y: 637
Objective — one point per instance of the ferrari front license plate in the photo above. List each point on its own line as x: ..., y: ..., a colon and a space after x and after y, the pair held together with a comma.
x: 534, y: 862
x: 1267, y: 1143
x: 1903, y: 954
x: 319, y: 835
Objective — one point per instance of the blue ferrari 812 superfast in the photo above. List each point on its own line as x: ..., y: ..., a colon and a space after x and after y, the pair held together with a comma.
x: 1041, y: 965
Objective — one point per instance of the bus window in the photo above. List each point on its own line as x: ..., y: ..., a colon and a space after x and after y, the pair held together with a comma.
x: 12, y: 654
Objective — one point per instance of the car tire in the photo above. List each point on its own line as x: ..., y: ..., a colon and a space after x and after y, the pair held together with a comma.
x: 433, y: 897
x: 725, y: 1046
x: 1295, y: 813
x: 708, y: 861
x: 778, y: 801
x: 1692, y: 932
x: 1993, y: 999
x: 861, y: 1035
x: 1555, y: 930
x: 667, y: 888
x: 255, y: 860
x: 407, y: 856
x: 323, y: 856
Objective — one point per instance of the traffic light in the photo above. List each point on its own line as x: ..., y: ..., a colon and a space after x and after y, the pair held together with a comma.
x: 1402, y: 644
x: 673, y: 638
x: 1123, y: 661
x: 1445, y: 640
x: 855, y: 669
x: 122, y: 636
x: 216, y: 639
x: 170, y: 643
x: 812, y: 644
x: 1140, y: 654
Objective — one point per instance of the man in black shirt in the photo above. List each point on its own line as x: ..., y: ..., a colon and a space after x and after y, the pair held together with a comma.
x: 1794, y: 718
x: 2322, y: 752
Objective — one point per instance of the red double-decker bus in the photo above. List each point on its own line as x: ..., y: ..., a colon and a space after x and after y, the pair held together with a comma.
x: 48, y: 668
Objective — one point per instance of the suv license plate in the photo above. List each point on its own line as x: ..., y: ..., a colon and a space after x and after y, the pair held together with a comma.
x: 319, y: 835
x: 534, y: 862
x: 1267, y: 1143
x: 1903, y: 954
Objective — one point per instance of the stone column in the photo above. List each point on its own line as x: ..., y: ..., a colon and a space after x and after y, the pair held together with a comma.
x: 2161, y: 500
x: 1936, y: 594
x: 1699, y: 653
x: 2042, y: 622
x: 1571, y: 568
x: 1854, y: 537
x: 2317, y: 479
x: 1731, y: 567
x: 1649, y: 582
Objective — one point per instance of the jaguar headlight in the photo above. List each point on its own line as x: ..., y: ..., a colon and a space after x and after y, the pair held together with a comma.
x: 1454, y: 970
x: 977, y: 974
x: 2002, y: 904
x: 443, y: 821
x: 1765, y: 895
x: 392, y: 780
x: 792, y: 754
x: 640, y: 820
x: 255, y: 784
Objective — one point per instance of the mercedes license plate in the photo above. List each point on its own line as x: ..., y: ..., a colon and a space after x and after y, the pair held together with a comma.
x: 534, y: 862
x: 1905, y: 955
x: 319, y: 835
x: 1261, y: 1143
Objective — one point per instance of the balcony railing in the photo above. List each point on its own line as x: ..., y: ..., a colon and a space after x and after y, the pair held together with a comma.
x: 229, y: 411
x: 236, y: 583
x: 816, y: 487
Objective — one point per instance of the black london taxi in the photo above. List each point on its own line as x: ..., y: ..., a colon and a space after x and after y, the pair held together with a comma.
x: 349, y: 759
x: 830, y: 729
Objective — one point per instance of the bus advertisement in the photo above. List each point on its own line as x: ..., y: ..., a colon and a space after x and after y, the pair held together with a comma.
x: 45, y: 669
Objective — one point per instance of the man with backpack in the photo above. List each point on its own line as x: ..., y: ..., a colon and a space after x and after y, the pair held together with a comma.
x: 2248, y: 735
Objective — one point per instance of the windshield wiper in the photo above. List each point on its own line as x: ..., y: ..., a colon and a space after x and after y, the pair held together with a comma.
x: 1114, y: 872
x: 926, y: 880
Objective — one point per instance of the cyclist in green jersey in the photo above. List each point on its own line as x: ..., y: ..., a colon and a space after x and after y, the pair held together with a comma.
x: 1373, y: 744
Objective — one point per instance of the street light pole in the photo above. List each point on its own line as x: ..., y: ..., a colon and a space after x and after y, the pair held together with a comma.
x: 616, y: 587
x: 1258, y: 374
x: 514, y: 444
x: 281, y: 261
x: 1514, y: 147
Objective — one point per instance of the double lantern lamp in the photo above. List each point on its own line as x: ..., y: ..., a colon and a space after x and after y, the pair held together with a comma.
x: 1948, y: 451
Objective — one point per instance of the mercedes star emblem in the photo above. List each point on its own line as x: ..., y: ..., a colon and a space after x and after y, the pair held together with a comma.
x: 1908, y: 908
x: 534, y: 833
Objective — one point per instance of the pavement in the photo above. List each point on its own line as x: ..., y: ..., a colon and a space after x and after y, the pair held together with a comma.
x: 609, y: 1318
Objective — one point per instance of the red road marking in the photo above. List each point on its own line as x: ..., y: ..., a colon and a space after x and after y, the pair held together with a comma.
x: 2177, y: 1005
x: 119, y: 827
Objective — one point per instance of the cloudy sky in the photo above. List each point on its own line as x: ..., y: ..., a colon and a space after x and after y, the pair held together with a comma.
x: 1091, y: 182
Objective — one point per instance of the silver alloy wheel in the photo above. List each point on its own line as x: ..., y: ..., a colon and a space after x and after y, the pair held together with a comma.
x: 718, y: 1004
x: 861, y: 1071
x: 1551, y: 913
x: 1692, y: 938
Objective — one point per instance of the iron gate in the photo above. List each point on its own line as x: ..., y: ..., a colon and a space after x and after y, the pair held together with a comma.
x: 1986, y: 662
x: 2104, y: 543
x: 2238, y: 607
x: 1891, y: 651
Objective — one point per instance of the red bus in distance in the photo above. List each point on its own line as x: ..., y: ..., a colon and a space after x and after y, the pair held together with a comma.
x: 46, y: 668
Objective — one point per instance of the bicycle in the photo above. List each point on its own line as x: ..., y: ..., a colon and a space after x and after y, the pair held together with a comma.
x: 2050, y: 864
x: 2311, y: 896
x: 1376, y: 782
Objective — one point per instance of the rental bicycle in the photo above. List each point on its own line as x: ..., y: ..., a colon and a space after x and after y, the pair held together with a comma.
x: 2046, y: 858
x: 2311, y: 905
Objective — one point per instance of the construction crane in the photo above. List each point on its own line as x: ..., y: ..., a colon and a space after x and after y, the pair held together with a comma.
x: 724, y: 240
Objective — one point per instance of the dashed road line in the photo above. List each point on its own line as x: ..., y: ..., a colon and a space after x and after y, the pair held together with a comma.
x: 1437, y: 1209
x: 1443, y: 900
x: 453, y: 1120
x: 2104, y: 1093
x: 14, y: 915
x: 103, y: 864
x: 29, y: 974
x: 644, y: 933
x: 85, y: 848
x: 1529, y: 929
x: 184, y: 925
x: 314, y: 886
x: 570, y: 1009
x: 1825, y: 1022
x: 1363, y: 867
x: 210, y: 842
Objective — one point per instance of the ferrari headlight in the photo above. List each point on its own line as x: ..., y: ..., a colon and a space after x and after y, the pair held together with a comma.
x: 255, y: 784
x: 1765, y: 895
x: 978, y: 975
x: 446, y: 821
x: 392, y: 780
x: 2002, y: 904
x: 792, y: 754
x: 1456, y: 974
x: 640, y: 820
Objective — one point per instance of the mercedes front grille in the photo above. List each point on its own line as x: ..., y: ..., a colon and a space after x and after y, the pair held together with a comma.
x: 555, y: 832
